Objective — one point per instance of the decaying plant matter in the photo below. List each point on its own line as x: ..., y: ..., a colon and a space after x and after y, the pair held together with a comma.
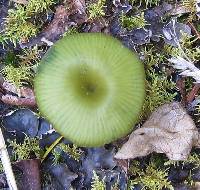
x: 169, y: 130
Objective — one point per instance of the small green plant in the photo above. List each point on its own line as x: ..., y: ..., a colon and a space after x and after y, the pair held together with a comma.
x: 97, y: 184
x: 3, y: 40
x: 22, y: 151
x: 18, y: 24
x: 30, y: 56
x: 193, y: 159
x: 17, y: 27
x: 159, y: 87
x: 132, y: 2
x: 190, y: 6
x: 148, y: 3
x: 17, y: 76
x: 38, y: 6
x: 152, y: 178
x: 158, y: 92
x: 56, y: 156
x: 189, y: 181
x: 96, y: 9
x: 70, y: 31
x: 1, y: 167
x: 115, y: 186
x: 132, y: 22
x: 73, y: 152
x: 186, y: 49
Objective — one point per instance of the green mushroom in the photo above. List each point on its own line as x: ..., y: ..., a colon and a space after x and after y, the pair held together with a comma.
x: 91, y: 88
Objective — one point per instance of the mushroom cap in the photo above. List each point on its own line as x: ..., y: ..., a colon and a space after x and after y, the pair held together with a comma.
x: 91, y: 88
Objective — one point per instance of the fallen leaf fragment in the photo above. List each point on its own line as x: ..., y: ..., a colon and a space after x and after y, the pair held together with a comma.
x: 24, y: 95
x: 193, y: 93
x: 17, y: 101
x: 169, y: 130
x: 187, y: 68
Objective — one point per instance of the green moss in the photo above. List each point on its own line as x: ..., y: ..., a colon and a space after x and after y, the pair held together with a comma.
x: 132, y: 22
x: 70, y: 31
x: 56, y: 156
x: 19, y: 26
x: 3, y: 40
x: 38, y: 6
x: 158, y: 92
x: 147, y: 3
x: 1, y: 167
x: 22, y: 151
x: 190, y: 6
x: 97, y: 184
x: 20, y: 69
x: 187, y: 49
x: 96, y: 9
x: 72, y: 151
x: 29, y: 57
x: 18, y: 76
x: 193, y: 159
x: 151, y: 178
x: 159, y: 87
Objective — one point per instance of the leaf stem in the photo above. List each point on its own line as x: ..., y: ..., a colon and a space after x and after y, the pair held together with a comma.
x: 51, y: 147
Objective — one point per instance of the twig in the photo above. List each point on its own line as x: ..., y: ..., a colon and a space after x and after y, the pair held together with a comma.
x: 194, y: 30
x: 6, y: 164
x: 24, y: 95
x: 191, y: 95
x: 51, y: 147
x: 17, y: 101
x: 180, y: 84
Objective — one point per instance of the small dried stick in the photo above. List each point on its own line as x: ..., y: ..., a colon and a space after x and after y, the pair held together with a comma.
x: 6, y: 164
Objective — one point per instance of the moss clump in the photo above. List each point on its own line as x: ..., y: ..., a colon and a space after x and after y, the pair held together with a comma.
x: 97, y: 183
x: 186, y: 49
x: 19, y: 25
x: 152, y: 178
x: 158, y: 92
x: 96, y: 9
x: 159, y: 86
x: 94, y: 87
x: 73, y: 152
x: 132, y: 22
x: 19, y: 70
x: 22, y: 151
x: 29, y: 57
x: 18, y: 76
x: 147, y: 3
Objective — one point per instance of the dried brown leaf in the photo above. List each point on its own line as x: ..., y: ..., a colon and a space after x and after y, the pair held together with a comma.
x: 169, y: 130
x: 24, y: 95
x: 61, y: 22
x: 17, y: 101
